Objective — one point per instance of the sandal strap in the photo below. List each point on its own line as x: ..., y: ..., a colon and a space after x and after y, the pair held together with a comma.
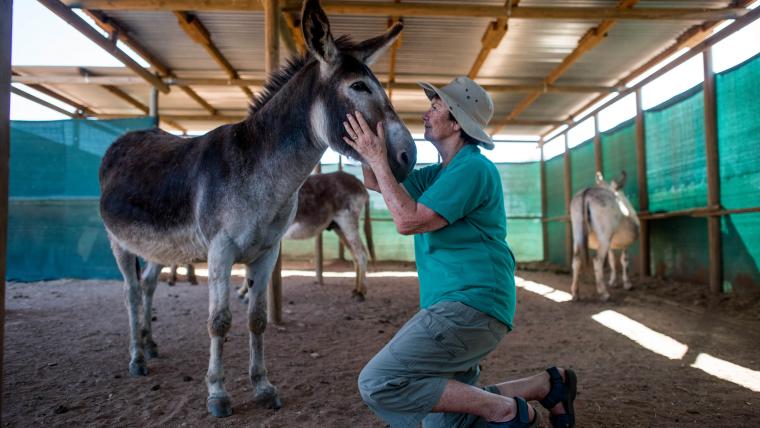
x: 521, y: 419
x: 558, y: 392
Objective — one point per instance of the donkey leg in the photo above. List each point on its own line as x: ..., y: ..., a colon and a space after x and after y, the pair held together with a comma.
x: 257, y: 279
x: 601, y: 254
x: 348, y: 223
x: 173, y: 276
x: 149, y: 281
x: 577, y: 265
x: 191, y: 275
x: 613, y: 272
x: 624, y: 263
x: 127, y: 263
x: 219, y: 321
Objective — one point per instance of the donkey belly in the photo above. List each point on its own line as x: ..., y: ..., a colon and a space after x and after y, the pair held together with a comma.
x: 178, y: 245
x: 625, y: 235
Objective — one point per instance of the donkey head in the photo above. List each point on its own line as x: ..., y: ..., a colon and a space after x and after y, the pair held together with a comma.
x: 346, y: 84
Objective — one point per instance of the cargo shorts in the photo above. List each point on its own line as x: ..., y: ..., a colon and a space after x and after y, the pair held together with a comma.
x: 406, y: 379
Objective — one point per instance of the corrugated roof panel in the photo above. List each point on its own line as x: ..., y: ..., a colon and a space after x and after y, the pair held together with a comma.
x: 160, y: 33
x: 239, y: 37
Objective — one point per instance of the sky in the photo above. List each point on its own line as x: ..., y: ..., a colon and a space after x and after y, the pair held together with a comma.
x: 41, y: 38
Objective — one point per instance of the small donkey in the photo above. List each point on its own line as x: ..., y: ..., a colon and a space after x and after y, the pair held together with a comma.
x: 228, y: 196
x: 334, y: 201
x: 602, y: 219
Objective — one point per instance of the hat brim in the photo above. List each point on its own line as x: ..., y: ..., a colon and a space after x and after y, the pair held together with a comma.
x: 468, y: 124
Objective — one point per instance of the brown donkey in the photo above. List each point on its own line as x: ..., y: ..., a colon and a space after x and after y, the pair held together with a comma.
x: 228, y: 196
x: 334, y: 201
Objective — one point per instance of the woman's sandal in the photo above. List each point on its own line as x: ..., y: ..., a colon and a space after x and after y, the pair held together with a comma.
x: 521, y: 419
x: 561, y: 392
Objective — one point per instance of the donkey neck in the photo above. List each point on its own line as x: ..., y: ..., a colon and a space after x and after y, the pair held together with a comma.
x: 282, y: 125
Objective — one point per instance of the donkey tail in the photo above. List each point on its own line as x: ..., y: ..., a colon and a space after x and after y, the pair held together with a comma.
x: 368, y: 231
x: 585, y: 227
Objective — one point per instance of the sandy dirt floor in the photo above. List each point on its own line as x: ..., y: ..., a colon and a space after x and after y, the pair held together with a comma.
x: 66, y: 354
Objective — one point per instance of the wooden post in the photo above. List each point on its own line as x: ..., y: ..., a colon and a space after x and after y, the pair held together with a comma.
x: 544, y: 231
x: 713, y: 175
x: 597, y: 145
x: 568, y: 195
x: 272, y: 62
x: 641, y: 171
x: 341, y: 247
x: 318, y: 245
x: 6, y: 12
x: 153, y: 106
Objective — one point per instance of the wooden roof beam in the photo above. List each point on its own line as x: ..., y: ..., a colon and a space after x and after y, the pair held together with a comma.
x: 81, y: 108
x: 491, y: 39
x: 118, y: 30
x: 410, y: 9
x: 688, y: 39
x: 394, y: 54
x: 195, y: 29
x: 589, y: 40
x: 108, y: 45
x: 40, y: 101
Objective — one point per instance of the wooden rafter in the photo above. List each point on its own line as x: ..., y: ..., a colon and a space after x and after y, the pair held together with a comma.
x: 410, y: 9
x: 195, y: 29
x: 491, y: 38
x: 394, y: 52
x: 688, y: 39
x: 589, y: 40
x: 108, y: 45
x: 81, y: 108
x: 41, y: 102
x: 119, y: 31
x: 132, y: 101
x: 294, y: 29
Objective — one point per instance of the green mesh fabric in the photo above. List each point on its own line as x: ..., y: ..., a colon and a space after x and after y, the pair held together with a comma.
x: 738, y: 137
x: 619, y: 154
x: 521, y: 183
x: 675, y: 152
x: 556, y: 243
x: 54, y: 226
x: 555, y: 187
x: 678, y: 248
x: 582, y: 166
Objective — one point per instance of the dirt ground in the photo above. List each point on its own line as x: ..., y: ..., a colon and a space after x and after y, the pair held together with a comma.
x: 66, y: 354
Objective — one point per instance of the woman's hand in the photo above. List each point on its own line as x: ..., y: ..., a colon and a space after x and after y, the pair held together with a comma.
x: 370, y: 145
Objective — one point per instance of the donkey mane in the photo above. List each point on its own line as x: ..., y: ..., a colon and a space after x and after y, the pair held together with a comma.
x: 279, y: 78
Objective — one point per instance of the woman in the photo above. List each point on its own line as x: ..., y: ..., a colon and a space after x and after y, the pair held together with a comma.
x: 455, y: 209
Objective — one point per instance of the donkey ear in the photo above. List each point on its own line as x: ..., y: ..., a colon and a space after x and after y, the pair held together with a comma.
x: 316, y: 32
x: 599, y: 177
x: 621, y: 182
x: 371, y: 49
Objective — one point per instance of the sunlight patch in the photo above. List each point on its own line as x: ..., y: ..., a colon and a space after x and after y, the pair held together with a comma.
x: 308, y: 273
x: 543, y: 290
x: 731, y: 372
x: 641, y: 334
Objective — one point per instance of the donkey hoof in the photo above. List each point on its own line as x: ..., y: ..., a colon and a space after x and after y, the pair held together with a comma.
x: 576, y: 298
x: 358, y: 297
x: 219, y: 407
x: 138, y: 368
x: 193, y: 282
x: 269, y: 398
x: 604, y: 297
x: 151, y: 350
x: 627, y: 285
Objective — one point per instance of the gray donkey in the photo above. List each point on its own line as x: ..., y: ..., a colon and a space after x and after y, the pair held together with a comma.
x: 603, y: 219
x: 334, y: 201
x: 228, y: 196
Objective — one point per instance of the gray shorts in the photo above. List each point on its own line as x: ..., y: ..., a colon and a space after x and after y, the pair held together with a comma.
x: 403, y: 382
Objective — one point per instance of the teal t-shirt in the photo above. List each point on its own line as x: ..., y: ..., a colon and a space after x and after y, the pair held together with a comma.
x: 468, y: 260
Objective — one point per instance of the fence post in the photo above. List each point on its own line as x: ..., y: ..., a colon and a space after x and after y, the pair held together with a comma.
x: 713, y: 175
x: 641, y: 171
x: 568, y: 195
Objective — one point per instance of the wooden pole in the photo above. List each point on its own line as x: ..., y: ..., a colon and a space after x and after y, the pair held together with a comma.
x: 341, y: 247
x: 6, y: 12
x: 319, y: 245
x: 641, y: 171
x: 40, y: 101
x: 544, y: 231
x: 272, y: 62
x: 597, y: 145
x: 568, y: 195
x: 713, y: 175
x: 153, y: 107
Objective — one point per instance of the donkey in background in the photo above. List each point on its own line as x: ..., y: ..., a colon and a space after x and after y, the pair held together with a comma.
x: 229, y: 196
x: 602, y: 219
x: 334, y: 201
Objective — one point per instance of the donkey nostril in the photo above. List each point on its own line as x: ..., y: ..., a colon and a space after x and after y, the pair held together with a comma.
x: 403, y: 158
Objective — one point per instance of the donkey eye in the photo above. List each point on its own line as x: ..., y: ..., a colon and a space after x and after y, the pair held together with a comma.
x: 360, y: 86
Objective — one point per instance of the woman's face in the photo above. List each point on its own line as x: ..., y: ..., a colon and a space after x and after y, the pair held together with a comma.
x: 438, y: 124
